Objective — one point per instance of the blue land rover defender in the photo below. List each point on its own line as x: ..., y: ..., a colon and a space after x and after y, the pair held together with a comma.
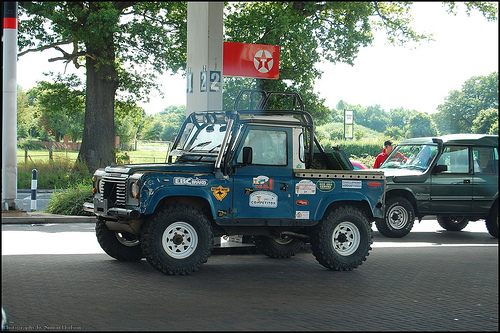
x: 255, y: 171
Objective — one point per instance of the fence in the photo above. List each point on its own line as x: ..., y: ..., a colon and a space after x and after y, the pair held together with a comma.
x: 146, y: 151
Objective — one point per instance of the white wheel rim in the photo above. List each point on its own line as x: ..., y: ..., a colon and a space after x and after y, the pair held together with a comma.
x: 346, y: 238
x: 398, y: 217
x: 180, y: 240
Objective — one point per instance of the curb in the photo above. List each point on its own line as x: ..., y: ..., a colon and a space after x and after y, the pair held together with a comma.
x: 23, y: 217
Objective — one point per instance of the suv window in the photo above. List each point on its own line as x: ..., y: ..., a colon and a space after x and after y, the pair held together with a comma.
x: 456, y: 158
x: 485, y: 160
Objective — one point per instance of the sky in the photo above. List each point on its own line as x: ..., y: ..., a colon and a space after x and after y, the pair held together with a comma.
x: 415, y: 77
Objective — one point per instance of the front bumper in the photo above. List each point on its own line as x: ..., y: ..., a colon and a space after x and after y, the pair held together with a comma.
x: 101, y: 209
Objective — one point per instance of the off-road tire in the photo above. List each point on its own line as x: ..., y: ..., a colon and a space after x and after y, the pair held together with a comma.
x: 119, y: 245
x: 492, y: 222
x: 452, y: 223
x: 398, y: 219
x: 177, y: 240
x: 342, y: 239
x: 276, y: 247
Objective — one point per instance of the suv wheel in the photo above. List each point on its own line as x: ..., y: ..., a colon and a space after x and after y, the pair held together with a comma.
x: 492, y: 222
x: 119, y: 245
x: 178, y: 240
x: 342, y: 240
x: 452, y: 223
x: 278, y: 247
x: 398, y: 220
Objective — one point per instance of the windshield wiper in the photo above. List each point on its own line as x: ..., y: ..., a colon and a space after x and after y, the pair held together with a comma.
x: 201, y: 144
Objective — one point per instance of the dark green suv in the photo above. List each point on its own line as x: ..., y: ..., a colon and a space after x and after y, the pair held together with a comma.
x: 454, y: 177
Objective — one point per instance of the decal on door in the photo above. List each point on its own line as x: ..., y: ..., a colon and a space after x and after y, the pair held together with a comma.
x: 263, y: 183
x: 305, y: 186
x: 219, y: 192
x: 263, y: 199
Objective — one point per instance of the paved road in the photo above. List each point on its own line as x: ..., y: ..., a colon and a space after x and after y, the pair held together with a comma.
x: 55, y: 276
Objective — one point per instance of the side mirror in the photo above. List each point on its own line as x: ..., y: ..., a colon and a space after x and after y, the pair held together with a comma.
x: 440, y: 168
x: 247, y: 155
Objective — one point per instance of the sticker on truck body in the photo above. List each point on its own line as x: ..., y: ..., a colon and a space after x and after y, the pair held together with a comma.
x: 263, y: 183
x: 190, y: 181
x: 351, y: 183
x: 263, y: 199
x: 219, y: 192
x: 305, y: 186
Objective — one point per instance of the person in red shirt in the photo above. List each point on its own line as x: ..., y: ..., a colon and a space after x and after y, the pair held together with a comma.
x: 388, y: 148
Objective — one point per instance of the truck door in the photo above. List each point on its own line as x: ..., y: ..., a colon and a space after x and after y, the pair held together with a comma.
x: 484, y: 178
x: 451, y: 190
x: 264, y: 188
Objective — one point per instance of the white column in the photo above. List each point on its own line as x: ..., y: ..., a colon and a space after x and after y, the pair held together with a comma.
x: 9, y: 110
x: 204, y: 54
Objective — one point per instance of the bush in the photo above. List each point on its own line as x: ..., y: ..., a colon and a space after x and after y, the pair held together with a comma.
x: 53, y: 174
x: 70, y: 202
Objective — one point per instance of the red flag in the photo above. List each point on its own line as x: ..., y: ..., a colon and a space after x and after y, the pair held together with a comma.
x: 251, y: 60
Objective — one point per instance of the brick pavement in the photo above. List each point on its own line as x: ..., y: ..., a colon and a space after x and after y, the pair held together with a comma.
x: 446, y: 285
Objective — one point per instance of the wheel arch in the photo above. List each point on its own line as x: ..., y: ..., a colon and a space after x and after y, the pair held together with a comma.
x: 404, y: 194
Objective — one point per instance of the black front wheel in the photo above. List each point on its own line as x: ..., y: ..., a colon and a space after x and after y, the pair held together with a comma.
x: 178, y: 240
x: 452, y: 223
x: 119, y: 245
x: 342, y: 239
x: 398, y: 219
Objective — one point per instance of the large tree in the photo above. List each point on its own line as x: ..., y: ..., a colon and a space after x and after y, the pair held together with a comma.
x: 462, y: 107
x: 123, y: 45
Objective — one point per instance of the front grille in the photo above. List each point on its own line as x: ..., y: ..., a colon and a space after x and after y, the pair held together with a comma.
x: 114, y: 189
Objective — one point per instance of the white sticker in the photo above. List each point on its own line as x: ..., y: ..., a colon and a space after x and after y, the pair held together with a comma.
x: 190, y: 181
x: 302, y: 215
x: 305, y: 186
x: 351, y: 183
x: 263, y: 199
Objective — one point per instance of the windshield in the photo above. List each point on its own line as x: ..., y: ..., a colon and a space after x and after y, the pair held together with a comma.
x: 201, y: 138
x: 416, y: 157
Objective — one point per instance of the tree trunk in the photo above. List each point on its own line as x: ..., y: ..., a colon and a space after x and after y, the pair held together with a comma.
x: 98, y: 139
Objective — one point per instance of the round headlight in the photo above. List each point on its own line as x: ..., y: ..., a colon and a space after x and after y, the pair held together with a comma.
x: 98, y: 185
x: 134, y: 189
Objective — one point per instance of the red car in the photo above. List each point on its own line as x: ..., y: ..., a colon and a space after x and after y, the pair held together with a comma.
x: 358, y: 165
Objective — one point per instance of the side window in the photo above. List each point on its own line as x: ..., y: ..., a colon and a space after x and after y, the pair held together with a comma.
x: 456, y: 158
x: 269, y: 147
x: 485, y: 160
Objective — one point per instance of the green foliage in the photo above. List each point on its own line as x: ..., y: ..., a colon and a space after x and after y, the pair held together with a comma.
x: 164, y: 125
x: 70, y: 202
x: 460, y: 109
x: 62, y: 106
x: 421, y: 125
x: 53, y: 174
x: 27, y: 115
x: 394, y: 132
x: 359, y: 134
x: 129, y: 119
x: 484, y: 122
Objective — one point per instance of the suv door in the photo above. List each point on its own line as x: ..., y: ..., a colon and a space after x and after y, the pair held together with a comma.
x: 264, y: 189
x: 451, y: 190
x: 485, y: 178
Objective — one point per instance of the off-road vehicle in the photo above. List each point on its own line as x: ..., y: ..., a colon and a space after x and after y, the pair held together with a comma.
x: 454, y: 177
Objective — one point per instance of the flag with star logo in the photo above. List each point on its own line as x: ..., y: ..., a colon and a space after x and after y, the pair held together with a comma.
x: 251, y: 60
